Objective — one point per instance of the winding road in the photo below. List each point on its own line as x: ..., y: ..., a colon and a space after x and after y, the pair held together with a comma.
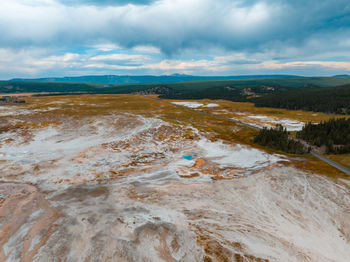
x: 332, y: 163
x: 321, y: 157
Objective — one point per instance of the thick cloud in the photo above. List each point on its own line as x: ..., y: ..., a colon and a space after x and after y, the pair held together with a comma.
x: 172, y: 25
x: 274, y: 30
x: 42, y: 63
x: 106, y: 2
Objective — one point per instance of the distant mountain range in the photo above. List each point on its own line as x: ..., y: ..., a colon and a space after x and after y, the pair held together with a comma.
x: 341, y: 76
x: 126, y: 79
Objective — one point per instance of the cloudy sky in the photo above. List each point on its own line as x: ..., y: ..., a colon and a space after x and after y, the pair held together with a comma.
x: 40, y: 38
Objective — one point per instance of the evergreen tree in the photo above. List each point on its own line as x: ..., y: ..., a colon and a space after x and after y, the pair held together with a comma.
x: 277, y: 138
x: 334, y: 134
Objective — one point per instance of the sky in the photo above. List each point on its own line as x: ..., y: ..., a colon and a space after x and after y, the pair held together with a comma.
x: 46, y: 38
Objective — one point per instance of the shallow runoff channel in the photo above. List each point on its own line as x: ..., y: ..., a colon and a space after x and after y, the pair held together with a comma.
x: 321, y: 157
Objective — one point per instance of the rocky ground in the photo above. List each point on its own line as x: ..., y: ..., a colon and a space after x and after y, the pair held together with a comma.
x: 124, y: 186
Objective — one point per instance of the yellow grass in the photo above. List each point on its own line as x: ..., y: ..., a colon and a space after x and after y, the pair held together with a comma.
x: 18, y: 94
x: 78, y: 107
x: 342, y: 159
x: 230, y: 109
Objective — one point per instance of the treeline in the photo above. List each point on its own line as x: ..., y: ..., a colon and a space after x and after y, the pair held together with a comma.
x: 277, y: 138
x: 66, y: 88
x: 334, y: 134
x: 227, y: 93
x: 37, y: 87
x: 328, y: 100
x: 231, y: 93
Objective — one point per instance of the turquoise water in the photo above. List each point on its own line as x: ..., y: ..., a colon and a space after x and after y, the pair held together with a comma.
x: 188, y: 157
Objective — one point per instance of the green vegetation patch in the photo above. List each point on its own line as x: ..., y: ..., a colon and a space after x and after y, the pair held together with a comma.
x: 334, y: 134
x: 277, y: 138
x: 328, y: 100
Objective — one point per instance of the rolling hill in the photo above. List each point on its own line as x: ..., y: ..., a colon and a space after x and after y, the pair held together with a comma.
x: 129, y: 79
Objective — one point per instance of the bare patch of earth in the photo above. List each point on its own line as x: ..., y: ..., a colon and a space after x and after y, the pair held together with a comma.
x: 123, y: 188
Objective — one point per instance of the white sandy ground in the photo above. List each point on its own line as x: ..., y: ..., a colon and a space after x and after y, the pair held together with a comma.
x: 238, y: 156
x: 72, y: 151
x: 256, y: 120
x: 269, y: 121
x: 143, y: 209
x: 195, y: 104
x: 16, y: 110
x: 13, y: 110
